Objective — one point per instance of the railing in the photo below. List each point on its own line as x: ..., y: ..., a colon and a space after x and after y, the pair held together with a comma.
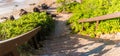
x: 9, y: 47
x: 100, y: 18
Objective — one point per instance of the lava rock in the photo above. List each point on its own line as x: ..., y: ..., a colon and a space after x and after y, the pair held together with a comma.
x: 44, y: 6
x: 22, y: 12
x: 36, y: 9
x: 12, y: 17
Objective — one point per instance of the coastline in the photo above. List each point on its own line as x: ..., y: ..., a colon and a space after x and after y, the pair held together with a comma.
x: 12, y: 10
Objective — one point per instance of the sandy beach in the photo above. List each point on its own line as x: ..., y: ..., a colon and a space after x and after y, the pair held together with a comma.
x: 12, y: 9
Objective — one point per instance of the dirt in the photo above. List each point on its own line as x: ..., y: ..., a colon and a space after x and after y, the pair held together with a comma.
x: 63, y: 43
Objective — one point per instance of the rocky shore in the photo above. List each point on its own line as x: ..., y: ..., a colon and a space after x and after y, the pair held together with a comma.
x: 13, y: 8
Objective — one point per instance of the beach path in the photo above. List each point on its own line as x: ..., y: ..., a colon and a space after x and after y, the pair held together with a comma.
x: 63, y: 43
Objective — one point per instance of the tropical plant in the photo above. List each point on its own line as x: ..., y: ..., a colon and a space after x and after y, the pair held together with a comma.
x: 10, y: 29
x: 89, y: 9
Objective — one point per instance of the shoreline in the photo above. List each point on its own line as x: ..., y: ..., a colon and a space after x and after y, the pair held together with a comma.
x: 27, y: 7
x: 15, y: 11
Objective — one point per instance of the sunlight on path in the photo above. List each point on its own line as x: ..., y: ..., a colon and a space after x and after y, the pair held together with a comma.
x: 65, y: 44
x: 60, y: 25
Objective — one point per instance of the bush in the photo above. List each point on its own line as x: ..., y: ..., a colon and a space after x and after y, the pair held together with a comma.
x: 10, y: 29
x: 90, y: 9
x: 69, y: 7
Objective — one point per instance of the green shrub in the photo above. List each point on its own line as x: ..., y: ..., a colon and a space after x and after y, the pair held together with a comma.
x: 69, y: 7
x: 60, y: 9
x: 26, y: 23
x: 90, y: 9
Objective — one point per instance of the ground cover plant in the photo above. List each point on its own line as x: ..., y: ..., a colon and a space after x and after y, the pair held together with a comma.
x: 25, y: 23
x: 93, y: 8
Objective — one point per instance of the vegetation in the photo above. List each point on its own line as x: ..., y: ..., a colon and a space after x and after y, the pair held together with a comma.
x: 10, y: 29
x: 66, y: 5
x: 90, y: 9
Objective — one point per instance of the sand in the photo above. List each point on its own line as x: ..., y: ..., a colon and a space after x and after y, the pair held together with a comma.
x: 15, y: 11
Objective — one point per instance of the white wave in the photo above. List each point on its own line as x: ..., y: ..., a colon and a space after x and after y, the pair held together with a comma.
x: 19, y: 0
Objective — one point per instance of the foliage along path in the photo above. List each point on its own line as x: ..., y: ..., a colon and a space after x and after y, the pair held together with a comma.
x: 65, y: 44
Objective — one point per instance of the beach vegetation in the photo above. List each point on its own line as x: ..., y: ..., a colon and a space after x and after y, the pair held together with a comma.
x: 25, y: 23
x: 89, y: 9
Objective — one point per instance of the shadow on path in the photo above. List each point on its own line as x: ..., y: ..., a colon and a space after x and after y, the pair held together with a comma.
x: 62, y: 43
x: 65, y: 44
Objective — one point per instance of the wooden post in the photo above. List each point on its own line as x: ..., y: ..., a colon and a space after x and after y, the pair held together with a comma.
x: 82, y: 26
x: 97, y: 23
